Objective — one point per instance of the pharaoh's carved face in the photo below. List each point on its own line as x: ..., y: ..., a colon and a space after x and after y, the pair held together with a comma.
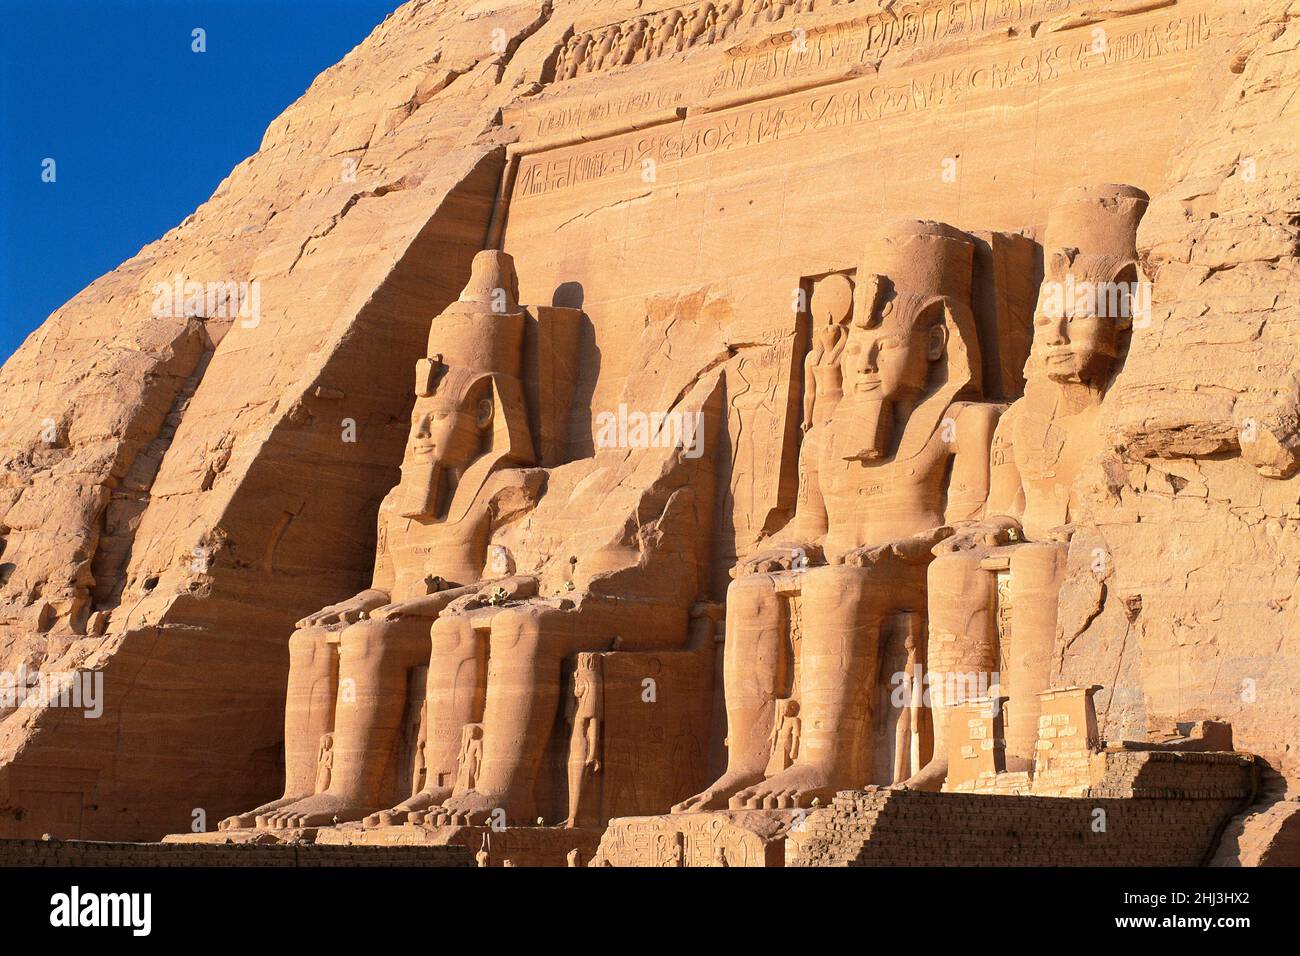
x: 444, y: 431
x: 447, y: 431
x: 1076, y: 335
x: 891, y: 360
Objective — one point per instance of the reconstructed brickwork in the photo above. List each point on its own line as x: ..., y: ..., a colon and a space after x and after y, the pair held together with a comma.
x: 1151, y: 809
x: 79, y: 853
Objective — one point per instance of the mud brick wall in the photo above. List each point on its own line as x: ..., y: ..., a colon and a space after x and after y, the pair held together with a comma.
x: 1160, y: 809
x: 84, y: 853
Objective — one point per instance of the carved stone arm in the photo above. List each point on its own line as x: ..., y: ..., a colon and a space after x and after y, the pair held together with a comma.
x: 346, y: 612
x: 994, y: 531
x: 426, y: 605
x: 918, y: 549
x: 780, y: 556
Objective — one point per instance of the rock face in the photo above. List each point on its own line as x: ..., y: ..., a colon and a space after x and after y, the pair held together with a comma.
x: 695, y: 198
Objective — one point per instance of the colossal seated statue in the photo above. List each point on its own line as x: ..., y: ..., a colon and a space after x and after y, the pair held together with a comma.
x: 351, y: 664
x: 611, y: 563
x: 894, y: 454
x: 994, y: 587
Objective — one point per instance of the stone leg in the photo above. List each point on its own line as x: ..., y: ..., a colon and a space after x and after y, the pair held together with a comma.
x: 962, y: 644
x: 528, y: 649
x: 844, y: 608
x: 375, y: 660
x: 454, y: 697
x: 1036, y: 573
x: 308, y: 715
x: 756, y: 671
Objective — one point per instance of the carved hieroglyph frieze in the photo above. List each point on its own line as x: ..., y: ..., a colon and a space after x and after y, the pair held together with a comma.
x: 1047, y: 60
x: 876, y: 32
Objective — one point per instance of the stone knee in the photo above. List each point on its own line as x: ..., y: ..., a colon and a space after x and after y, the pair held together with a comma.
x: 307, y: 645
x: 753, y: 597
x: 450, y: 637
x: 842, y: 586
x: 455, y: 683
x: 518, y: 632
x: 1037, y: 565
x: 371, y: 644
x: 755, y: 654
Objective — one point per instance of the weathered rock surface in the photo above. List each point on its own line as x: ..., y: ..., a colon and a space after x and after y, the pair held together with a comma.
x: 179, y: 489
x: 1196, y: 517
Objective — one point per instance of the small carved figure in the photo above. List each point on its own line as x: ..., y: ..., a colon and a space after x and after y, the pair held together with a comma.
x: 585, y: 709
x: 471, y: 755
x: 324, y: 762
x: 785, y: 737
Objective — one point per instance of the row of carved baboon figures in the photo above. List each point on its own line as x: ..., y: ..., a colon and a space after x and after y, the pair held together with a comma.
x: 646, y: 38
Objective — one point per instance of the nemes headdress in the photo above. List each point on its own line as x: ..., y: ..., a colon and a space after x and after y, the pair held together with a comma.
x: 922, y: 271
x: 483, y: 331
x: 475, y: 342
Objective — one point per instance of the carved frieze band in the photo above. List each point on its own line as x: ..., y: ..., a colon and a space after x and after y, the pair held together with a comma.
x: 645, y: 38
x: 849, y: 104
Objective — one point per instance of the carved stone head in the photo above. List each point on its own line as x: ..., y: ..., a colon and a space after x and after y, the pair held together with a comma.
x: 912, y: 337
x: 449, y: 425
x: 1084, y: 309
x: 1091, y: 285
x: 890, y: 359
x: 468, y: 400
x: 922, y: 274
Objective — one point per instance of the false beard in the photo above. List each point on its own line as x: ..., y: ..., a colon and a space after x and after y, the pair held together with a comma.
x: 864, y: 429
x: 422, y: 491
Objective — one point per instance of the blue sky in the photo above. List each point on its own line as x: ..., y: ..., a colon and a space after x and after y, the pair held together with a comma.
x: 140, y: 127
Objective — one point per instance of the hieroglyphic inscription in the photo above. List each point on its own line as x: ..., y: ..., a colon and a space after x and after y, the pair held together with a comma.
x: 869, y: 39
x: 851, y: 104
x: 684, y: 841
x: 757, y: 416
x: 820, y: 49
x: 645, y: 38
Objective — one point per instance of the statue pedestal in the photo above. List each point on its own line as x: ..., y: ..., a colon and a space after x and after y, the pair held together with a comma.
x: 721, y: 838
x: 252, y: 835
x: 522, y: 846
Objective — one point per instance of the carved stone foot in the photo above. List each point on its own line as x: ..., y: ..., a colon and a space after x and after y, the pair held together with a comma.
x: 929, y: 778
x: 796, y: 787
x: 246, y: 821
x: 715, y: 797
x: 479, y: 808
x: 322, y: 809
x: 408, y: 811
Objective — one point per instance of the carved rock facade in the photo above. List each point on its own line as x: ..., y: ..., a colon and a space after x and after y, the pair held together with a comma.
x: 777, y: 367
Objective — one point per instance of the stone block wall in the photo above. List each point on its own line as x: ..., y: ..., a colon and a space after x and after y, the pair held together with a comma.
x: 87, y: 853
x: 1151, y: 809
